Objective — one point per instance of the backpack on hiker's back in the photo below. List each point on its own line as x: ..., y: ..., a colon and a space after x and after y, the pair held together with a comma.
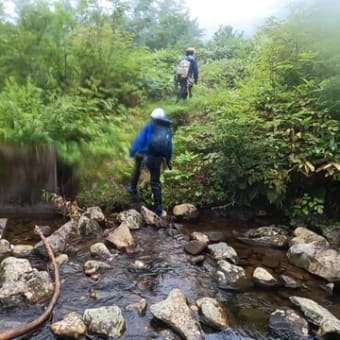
x: 182, y: 69
x: 160, y: 141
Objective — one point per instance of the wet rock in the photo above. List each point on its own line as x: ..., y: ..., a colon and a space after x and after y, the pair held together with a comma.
x: 175, y: 312
x: 200, y: 237
x: 268, y: 236
x: 132, y: 217
x: 197, y: 259
x: 195, y: 247
x: 11, y: 269
x: 229, y: 274
x: 213, y: 313
x: 89, y: 227
x: 107, y: 320
x: 38, y: 286
x: 3, y: 224
x: 100, y: 250
x: 139, y: 306
x: 5, y: 248
x: 286, y: 324
x: 222, y: 251
x: 317, y: 315
x: 139, y: 266
x: 95, y: 213
x: 60, y: 238
x: 19, y: 283
x: 94, y: 267
x: 186, y: 212
x: 316, y: 259
x: 153, y: 219
x: 121, y: 237
x: 304, y: 235
x: 21, y: 250
x: 72, y: 326
x: 289, y: 282
x: 61, y: 259
x: 263, y: 278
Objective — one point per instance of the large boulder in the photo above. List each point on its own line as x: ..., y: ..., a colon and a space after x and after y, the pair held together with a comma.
x: 304, y: 235
x: 89, y: 227
x: 175, y: 312
x: 95, y: 213
x: 317, y: 315
x: 316, y: 259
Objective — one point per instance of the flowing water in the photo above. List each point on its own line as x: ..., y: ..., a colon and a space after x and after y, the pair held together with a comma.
x: 168, y: 267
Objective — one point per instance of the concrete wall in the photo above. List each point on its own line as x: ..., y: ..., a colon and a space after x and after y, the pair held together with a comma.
x: 24, y: 173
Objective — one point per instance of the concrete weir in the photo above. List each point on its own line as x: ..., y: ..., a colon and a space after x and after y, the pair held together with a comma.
x: 24, y: 173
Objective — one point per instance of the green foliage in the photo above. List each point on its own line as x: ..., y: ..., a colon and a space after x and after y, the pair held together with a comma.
x: 307, y: 205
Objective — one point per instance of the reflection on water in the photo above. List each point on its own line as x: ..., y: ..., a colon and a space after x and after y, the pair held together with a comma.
x: 167, y: 267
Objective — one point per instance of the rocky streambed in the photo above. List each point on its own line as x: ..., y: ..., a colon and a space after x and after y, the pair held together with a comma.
x: 135, y: 276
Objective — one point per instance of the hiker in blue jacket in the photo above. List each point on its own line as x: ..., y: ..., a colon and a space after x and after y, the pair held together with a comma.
x: 153, y: 144
x: 186, y: 78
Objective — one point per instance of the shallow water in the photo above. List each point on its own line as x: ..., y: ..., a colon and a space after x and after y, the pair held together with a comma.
x: 169, y: 268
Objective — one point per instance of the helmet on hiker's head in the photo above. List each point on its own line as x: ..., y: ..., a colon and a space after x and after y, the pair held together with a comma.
x: 159, y: 114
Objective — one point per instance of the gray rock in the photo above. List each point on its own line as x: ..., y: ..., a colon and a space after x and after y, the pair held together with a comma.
x: 121, y: 237
x: 152, y: 219
x: 95, y: 213
x: 5, y: 248
x: 139, y: 306
x: 332, y: 234
x: 316, y: 259
x: 175, y: 312
x: 132, y: 217
x: 11, y: 269
x: 200, y: 237
x: 229, y: 274
x: 289, y: 282
x: 269, y: 236
x: 107, y: 320
x: 222, y: 251
x: 21, y: 250
x: 89, y: 227
x: 100, y: 250
x: 304, y: 235
x: 38, y: 286
x: 213, y: 313
x: 317, y: 315
x: 286, y: 324
x: 94, y: 267
x: 186, y: 212
x: 263, y: 278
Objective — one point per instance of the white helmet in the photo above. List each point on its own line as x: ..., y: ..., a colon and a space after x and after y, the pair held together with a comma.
x: 158, y: 113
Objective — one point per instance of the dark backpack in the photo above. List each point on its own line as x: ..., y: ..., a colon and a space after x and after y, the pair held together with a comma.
x: 160, y: 140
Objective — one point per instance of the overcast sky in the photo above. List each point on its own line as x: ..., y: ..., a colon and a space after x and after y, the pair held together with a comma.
x: 243, y: 15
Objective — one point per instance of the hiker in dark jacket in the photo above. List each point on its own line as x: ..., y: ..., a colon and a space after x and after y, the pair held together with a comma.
x: 186, y: 81
x: 143, y: 149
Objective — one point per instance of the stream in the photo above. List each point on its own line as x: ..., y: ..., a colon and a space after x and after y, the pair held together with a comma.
x: 168, y: 267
